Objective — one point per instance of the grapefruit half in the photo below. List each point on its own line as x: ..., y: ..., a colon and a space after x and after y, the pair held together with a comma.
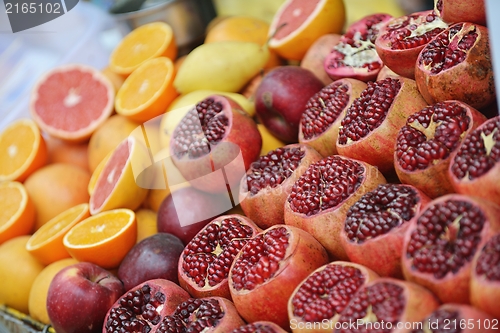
x: 70, y: 101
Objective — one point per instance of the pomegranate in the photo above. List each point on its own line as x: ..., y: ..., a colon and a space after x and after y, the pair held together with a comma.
x: 442, y: 240
x: 142, y: 308
x: 314, y: 58
x: 402, y: 38
x: 453, y: 11
x: 371, y: 124
x: 316, y: 303
x: 320, y: 122
x: 269, y: 181
x: 475, y: 166
x: 456, y: 64
x: 259, y: 327
x: 375, y: 226
x: 204, y: 264
x: 214, y: 144
x: 386, y: 305
x: 355, y: 55
x: 485, y: 278
x: 281, y: 97
x: 425, y: 143
x: 386, y: 72
x: 320, y: 198
x: 458, y: 318
x: 267, y: 270
x: 207, y: 315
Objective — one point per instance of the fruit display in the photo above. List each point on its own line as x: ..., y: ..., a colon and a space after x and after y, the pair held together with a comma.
x: 301, y: 172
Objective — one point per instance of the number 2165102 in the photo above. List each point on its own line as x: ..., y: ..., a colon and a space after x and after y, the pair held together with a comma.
x: 32, y: 8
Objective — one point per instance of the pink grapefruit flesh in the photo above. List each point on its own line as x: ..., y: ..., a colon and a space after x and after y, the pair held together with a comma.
x: 293, y: 16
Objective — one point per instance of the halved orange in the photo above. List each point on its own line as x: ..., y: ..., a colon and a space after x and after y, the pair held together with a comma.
x: 298, y: 23
x: 116, y: 185
x: 46, y: 244
x: 148, y: 91
x: 141, y: 44
x: 103, y: 239
x: 17, y: 212
x: 22, y: 150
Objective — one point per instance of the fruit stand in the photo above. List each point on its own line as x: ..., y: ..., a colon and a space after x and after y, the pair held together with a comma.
x: 249, y: 166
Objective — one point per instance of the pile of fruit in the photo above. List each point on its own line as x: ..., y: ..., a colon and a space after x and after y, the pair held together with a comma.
x: 293, y: 176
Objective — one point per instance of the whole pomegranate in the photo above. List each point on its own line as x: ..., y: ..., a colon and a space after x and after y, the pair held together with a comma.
x: 402, y: 38
x: 456, y: 64
x: 204, y: 263
x: 269, y: 180
x: 318, y: 300
x: 475, y: 166
x: 386, y: 305
x: 485, y: 278
x: 320, y: 122
x: 267, y: 270
x: 442, y: 240
x: 452, y: 11
x: 142, y: 308
x: 425, y: 144
x: 320, y: 198
x: 371, y: 124
x: 214, y: 144
x: 375, y: 226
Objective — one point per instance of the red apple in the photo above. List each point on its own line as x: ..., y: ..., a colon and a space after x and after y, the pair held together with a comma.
x: 79, y: 297
x: 281, y: 97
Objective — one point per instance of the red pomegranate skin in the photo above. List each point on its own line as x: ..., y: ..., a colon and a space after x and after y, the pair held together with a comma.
x: 453, y: 11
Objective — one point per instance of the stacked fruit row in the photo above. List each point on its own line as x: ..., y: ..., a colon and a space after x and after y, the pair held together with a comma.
x: 365, y: 166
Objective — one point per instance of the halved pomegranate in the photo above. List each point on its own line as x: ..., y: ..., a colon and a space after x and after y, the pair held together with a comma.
x: 320, y: 122
x: 475, y: 166
x: 386, y: 305
x: 214, y: 144
x: 371, y: 124
x: 402, y: 38
x: 142, y: 308
x: 267, y: 270
x: 453, y: 11
x: 456, y: 64
x: 259, y: 327
x: 442, y: 240
x: 424, y: 145
x: 204, y: 264
x: 202, y: 315
x: 317, y: 302
x: 459, y: 318
x: 320, y: 198
x: 485, y: 278
x: 376, y: 224
x: 355, y: 55
x: 269, y: 180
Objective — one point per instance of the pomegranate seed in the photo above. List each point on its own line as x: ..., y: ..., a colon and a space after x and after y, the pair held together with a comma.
x: 325, y: 184
x: 488, y: 263
x: 446, y: 237
x: 442, y: 318
x: 379, y: 211
x: 254, y: 328
x: 369, y: 110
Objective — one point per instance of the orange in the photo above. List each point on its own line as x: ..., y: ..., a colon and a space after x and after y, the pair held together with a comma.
x: 298, y: 23
x: 116, y: 185
x: 146, y: 42
x: 148, y: 91
x: 116, y: 79
x: 56, y: 188
x: 46, y: 244
x: 63, y: 152
x: 18, y: 271
x: 22, y: 150
x: 113, y: 131
x: 70, y: 101
x: 38, y: 294
x: 245, y: 29
x: 17, y: 212
x: 146, y: 223
x: 103, y: 239
x: 269, y: 141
